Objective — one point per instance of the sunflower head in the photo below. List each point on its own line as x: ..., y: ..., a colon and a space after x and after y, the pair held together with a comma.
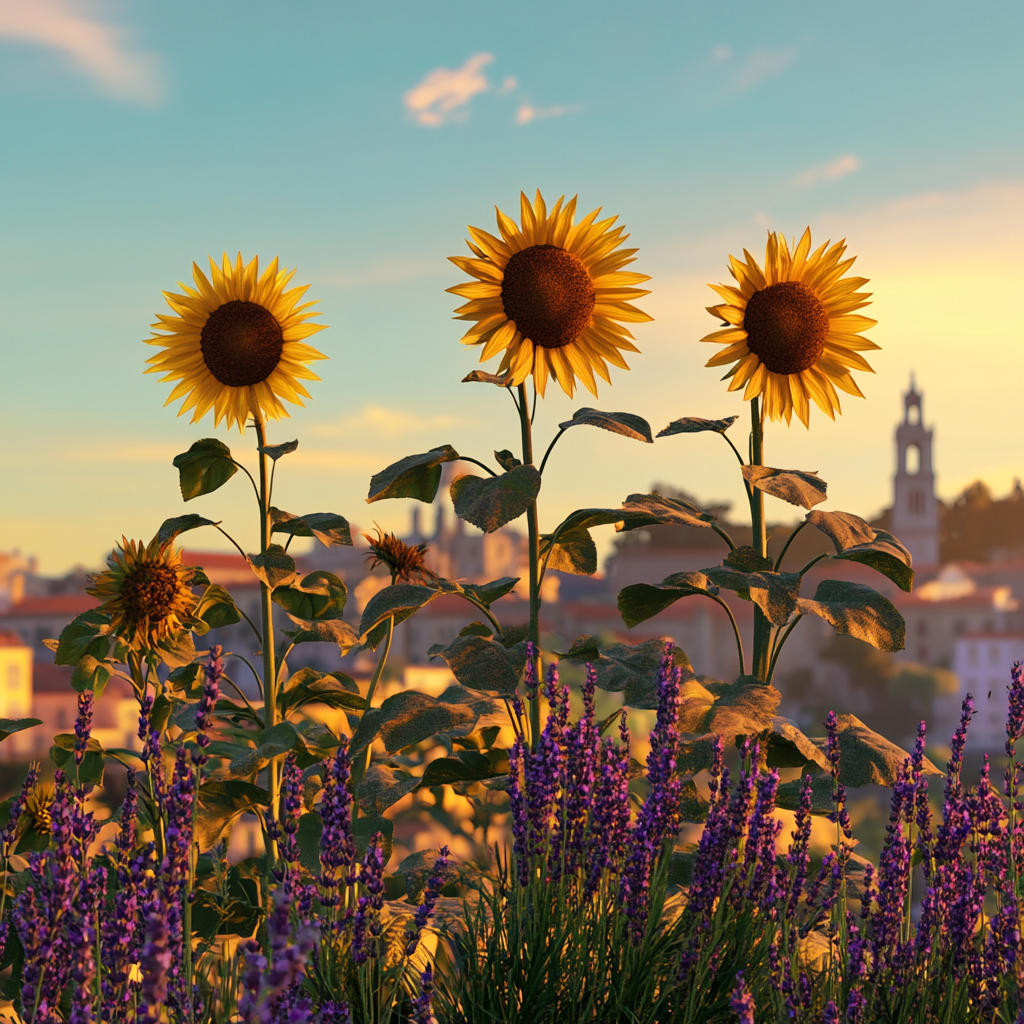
x: 235, y: 343
x: 147, y: 592
x: 551, y: 295
x: 36, y: 814
x: 404, y: 561
x: 792, y: 331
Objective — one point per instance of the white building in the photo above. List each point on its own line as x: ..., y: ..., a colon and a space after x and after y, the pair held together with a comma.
x: 982, y: 661
x: 915, y: 508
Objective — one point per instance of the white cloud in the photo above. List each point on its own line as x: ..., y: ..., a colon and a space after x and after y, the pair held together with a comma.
x: 440, y: 95
x: 101, y: 51
x: 759, y: 65
x: 527, y: 112
x: 721, y: 52
x: 830, y: 171
x: 378, y: 421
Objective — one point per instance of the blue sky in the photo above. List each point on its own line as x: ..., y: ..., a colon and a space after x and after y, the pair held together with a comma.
x: 356, y: 142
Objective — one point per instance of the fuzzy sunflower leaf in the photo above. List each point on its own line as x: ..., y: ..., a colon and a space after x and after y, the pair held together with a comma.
x: 275, y: 451
x: 171, y: 528
x: 630, y: 670
x: 506, y: 460
x: 273, y: 742
x: 220, y: 803
x: 574, y: 552
x: 866, y: 757
x: 853, y: 609
x: 329, y: 631
x: 788, y: 747
x: 320, y: 595
x: 745, y: 707
x: 747, y: 559
x: 410, y: 717
x: 9, y: 726
x: 177, y: 651
x: 788, y: 794
x: 775, y: 593
x: 664, y: 511
x: 491, y: 502
x: 400, y: 600
x: 309, y: 686
x: 695, y: 425
x: 206, y: 466
x: 90, y: 771
x: 487, y: 593
x: 642, y: 601
x: 695, y: 754
x: 276, y: 568
x: 84, y: 634
x: 855, y: 540
x: 381, y: 787
x: 365, y: 830
x: 328, y: 527
x: 217, y: 607
x: 793, y: 485
x: 693, y: 805
x: 483, y: 664
x: 624, y: 423
x: 466, y: 766
x: 502, y: 380
x: 415, y: 476
x: 91, y: 674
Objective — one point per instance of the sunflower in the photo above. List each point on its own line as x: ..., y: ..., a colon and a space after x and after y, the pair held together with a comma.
x: 404, y: 561
x: 147, y: 592
x: 36, y: 815
x: 236, y: 343
x: 550, y: 295
x: 793, y: 332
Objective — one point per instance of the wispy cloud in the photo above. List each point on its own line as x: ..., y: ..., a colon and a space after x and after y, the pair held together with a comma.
x: 757, y: 66
x: 442, y: 94
x: 528, y: 112
x: 101, y: 51
x: 832, y: 170
x: 379, y: 421
x: 381, y: 272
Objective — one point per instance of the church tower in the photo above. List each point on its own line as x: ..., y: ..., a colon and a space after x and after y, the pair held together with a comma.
x: 915, y: 509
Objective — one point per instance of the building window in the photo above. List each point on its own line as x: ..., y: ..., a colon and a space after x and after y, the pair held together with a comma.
x: 912, y: 460
x: 915, y: 502
x: 994, y: 654
x: 972, y: 654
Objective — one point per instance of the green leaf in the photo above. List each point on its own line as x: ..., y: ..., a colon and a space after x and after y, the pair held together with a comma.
x: 666, y: 511
x: 487, y: 593
x: 275, y: 569
x: 330, y: 631
x: 272, y: 743
x: 170, y: 528
x: 222, y: 802
x: 866, y: 757
x: 177, y: 651
x: 467, y: 766
x: 853, y: 609
x: 410, y: 717
x: 775, y: 593
x: 309, y: 834
x: 693, y: 805
x: 491, y: 502
x: 788, y: 747
x: 308, y: 686
x: 364, y: 829
x: 476, y: 629
x: 694, y: 425
x: 161, y: 712
x: 788, y: 794
x: 623, y: 423
x: 320, y: 595
x: 574, y: 551
x: 206, y: 466
x: 506, y: 460
x: 328, y: 528
x: 275, y: 451
x: 642, y: 601
x: 381, y: 787
x: 483, y: 663
x: 632, y: 671
x: 695, y: 755
x: 217, y: 607
x: 745, y: 707
x: 85, y: 634
x: 91, y: 674
x: 9, y: 726
x: 857, y: 541
x: 415, y: 476
x: 792, y: 485
x: 747, y: 559
x: 90, y: 771
x: 418, y: 868
x: 483, y: 377
x: 400, y: 600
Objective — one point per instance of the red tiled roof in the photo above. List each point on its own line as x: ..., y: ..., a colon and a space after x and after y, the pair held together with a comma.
x: 57, y: 604
x: 8, y: 638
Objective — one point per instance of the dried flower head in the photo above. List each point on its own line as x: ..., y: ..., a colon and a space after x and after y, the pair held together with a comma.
x: 147, y: 591
x: 404, y: 561
x: 36, y: 814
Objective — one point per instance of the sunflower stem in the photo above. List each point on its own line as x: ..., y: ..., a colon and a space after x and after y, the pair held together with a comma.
x: 363, y: 761
x: 759, y: 540
x: 267, y: 611
x: 533, y: 554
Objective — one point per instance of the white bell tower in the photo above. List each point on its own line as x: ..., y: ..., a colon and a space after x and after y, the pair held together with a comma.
x: 915, y: 509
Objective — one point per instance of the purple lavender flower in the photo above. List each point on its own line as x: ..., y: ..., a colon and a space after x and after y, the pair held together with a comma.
x: 10, y: 833
x: 530, y: 680
x: 421, y: 1012
x: 213, y: 672
x: 82, y: 927
x: 155, y: 964
x: 517, y: 810
x: 831, y: 1014
x: 83, y: 726
x: 367, y: 925
x: 436, y: 882
x: 337, y: 847
x: 799, y: 855
x: 762, y: 834
x: 742, y: 1002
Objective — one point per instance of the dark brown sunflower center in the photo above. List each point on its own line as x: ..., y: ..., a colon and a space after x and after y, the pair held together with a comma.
x: 241, y: 343
x: 149, y: 592
x: 549, y: 295
x: 786, y: 326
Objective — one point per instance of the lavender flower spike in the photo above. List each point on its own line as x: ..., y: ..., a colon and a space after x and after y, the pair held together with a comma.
x: 742, y: 1003
x: 435, y: 884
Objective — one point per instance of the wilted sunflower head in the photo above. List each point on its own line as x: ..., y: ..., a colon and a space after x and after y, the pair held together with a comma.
x: 404, y: 561
x: 147, y: 591
x: 36, y: 814
x: 551, y: 294
x: 793, y: 334
x: 236, y: 342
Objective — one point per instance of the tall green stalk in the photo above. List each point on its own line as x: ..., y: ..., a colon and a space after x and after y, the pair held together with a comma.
x: 533, y: 554
x: 759, y: 541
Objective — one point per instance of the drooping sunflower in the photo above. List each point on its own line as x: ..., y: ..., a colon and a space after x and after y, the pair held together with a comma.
x: 405, y: 562
x: 147, y: 591
x: 793, y: 334
x: 551, y: 294
x: 236, y: 342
